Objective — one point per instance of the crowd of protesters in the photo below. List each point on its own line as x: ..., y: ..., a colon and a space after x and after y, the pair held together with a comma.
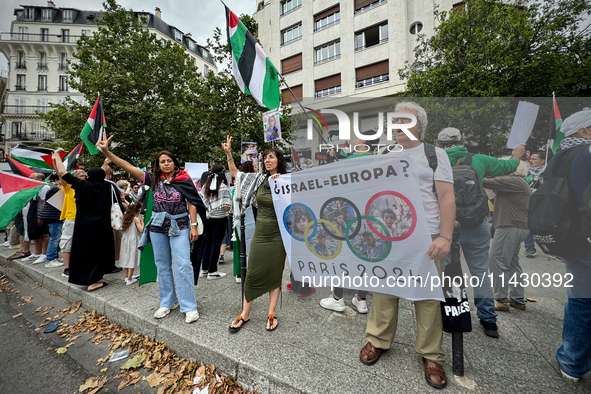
x: 191, y: 225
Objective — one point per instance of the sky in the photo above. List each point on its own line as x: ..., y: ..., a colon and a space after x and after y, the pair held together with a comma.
x: 198, y: 17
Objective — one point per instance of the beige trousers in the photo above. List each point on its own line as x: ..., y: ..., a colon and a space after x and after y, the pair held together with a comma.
x: 383, y: 319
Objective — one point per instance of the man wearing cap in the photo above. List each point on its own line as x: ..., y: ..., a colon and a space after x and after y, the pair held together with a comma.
x: 476, y: 242
x: 574, y: 356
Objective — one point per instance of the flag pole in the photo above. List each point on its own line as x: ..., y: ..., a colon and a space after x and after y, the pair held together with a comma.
x: 303, y: 109
x: 552, y: 131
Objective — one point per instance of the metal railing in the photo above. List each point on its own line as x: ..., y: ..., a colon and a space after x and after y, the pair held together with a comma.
x: 62, y: 67
x: 326, y: 26
x: 328, y: 59
x: 370, y: 7
x: 31, y: 37
x: 42, y: 135
x: 42, y: 66
x: 21, y: 65
x: 20, y: 87
x: 23, y: 109
x: 361, y: 48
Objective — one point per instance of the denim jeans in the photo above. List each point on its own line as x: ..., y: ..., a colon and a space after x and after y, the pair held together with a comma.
x: 174, y: 267
x: 574, y: 356
x: 475, y: 244
x: 55, y: 233
x: 529, y: 241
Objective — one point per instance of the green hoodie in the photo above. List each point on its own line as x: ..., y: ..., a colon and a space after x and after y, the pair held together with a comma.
x: 486, y: 166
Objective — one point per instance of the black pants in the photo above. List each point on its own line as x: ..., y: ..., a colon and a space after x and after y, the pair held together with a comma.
x: 299, y: 287
x: 215, y: 229
x: 339, y: 292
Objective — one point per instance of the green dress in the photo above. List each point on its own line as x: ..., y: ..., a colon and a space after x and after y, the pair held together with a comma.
x: 267, y: 255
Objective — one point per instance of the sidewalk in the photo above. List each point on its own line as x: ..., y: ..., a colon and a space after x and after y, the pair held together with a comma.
x: 317, y: 351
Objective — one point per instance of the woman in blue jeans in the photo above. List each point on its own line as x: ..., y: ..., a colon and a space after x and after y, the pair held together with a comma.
x: 218, y: 201
x: 175, y: 201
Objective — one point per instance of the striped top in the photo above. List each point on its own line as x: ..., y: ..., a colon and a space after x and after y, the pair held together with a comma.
x: 215, y: 207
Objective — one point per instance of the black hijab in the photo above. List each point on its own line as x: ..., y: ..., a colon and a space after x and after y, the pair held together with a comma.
x: 97, y: 194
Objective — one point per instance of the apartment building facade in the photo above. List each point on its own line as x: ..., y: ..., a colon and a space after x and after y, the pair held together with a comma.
x: 41, y: 42
x: 348, y: 48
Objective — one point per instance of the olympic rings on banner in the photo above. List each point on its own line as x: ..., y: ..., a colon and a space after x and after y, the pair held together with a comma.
x: 368, y: 259
x: 413, y: 212
x: 339, y: 248
x: 355, y: 209
x: 314, y: 221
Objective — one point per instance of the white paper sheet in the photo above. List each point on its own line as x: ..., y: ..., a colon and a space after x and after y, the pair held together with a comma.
x: 195, y: 170
x: 57, y: 200
x: 523, y: 124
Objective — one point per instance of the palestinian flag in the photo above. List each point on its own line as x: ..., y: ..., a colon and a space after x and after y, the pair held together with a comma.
x: 559, y: 136
x: 95, y: 125
x: 69, y: 159
x: 31, y: 156
x: 344, y: 150
x: 15, y: 192
x: 294, y: 156
x: 18, y: 168
x: 252, y: 69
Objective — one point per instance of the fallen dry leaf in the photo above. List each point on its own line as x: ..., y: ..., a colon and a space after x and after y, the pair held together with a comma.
x: 154, y: 379
x: 53, y: 293
x: 104, y: 370
x: 17, y: 315
x: 61, y: 350
x: 135, y: 362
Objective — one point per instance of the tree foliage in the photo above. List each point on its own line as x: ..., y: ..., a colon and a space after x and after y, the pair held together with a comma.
x: 498, y: 50
x: 154, y: 97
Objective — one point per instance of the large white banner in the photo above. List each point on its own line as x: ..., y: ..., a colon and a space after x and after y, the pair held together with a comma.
x: 358, y: 223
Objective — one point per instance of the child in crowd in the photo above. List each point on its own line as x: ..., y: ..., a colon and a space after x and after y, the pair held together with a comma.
x: 132, y: 227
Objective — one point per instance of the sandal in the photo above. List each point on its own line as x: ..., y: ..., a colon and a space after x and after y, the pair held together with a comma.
x: 271, y: 318
x: 105, y: 284
x: 434, y: 374
x: 18, y: 255
x: 236, y: 329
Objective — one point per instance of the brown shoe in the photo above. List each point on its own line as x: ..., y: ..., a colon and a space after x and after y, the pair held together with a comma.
x: 370, y: 355
x: 434, y: 374
x: 501, y: 306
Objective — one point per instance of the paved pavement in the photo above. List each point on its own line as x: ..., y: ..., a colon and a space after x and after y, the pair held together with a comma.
x: 317, y: 351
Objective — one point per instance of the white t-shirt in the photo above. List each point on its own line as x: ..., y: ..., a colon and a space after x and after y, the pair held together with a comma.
x: 442, y: 173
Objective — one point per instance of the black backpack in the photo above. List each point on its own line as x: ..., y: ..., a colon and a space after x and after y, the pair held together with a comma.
x: 471, y: 200
x: 553, y: 218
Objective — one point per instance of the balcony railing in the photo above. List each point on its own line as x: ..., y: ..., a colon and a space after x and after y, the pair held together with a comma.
x: 361, y: 48
x: 42, y: 66
x: 42, y: 135
x: 370, y: 6
x: 20, y: 87
x: 62, y: 67
x: 23, y: 109
x: 42, y: 89
x: 30, y: 37
x: 22, y: 65
x: 63, y: 89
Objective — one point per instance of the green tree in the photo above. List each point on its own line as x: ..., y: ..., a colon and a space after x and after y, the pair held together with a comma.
x: 493, y: 49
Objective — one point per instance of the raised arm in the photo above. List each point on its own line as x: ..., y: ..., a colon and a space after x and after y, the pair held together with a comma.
x: 227, y: 148
x: 103, y: 145
x: 58, y: 164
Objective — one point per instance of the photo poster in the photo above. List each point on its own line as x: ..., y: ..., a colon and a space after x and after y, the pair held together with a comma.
x: 249, y: 152
x: 195, y: 170
x: 377, y: 235
x: 272, y: 125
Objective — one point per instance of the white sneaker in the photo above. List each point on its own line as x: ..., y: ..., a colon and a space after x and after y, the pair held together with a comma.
x: 135, y: 276
x: 202, y: 273
x: 360, y: 305
x: 6, y: 244
x: 162, y: 312
x: 238, y: 279
x: 31, y: 257
x: 130, y: 282
x: 216, y: 275
x: 191, y: 316
x: 53, y: 264
x: 568, y: 377
x: 332, y: 304
x: 41, y: 259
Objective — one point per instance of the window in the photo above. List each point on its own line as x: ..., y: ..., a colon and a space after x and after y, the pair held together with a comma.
x: 362, y: 6
x: 291, y: 64
x: 17, y: 129
x: 205, y: 70
x: 327, y: 18
x: 23, y: 33
x: 328, y: 52
x: 143, y: 19
x: 373, y: 36
x: 42, y: 64
x: 67, y: 15
x: 46, y: 15
x: 29, y: 14
x: 63, y: 86
x: 20, y: 82
x: 291, y: 34
x: 65, y: 35
x: 191, y: 45
x: 63, y: 65
x: 205, y: 53
x: 178, y: 35
x: 288, y: 97
x: 42, y: 84
x: 372, y: 74
x: 20, y: 61
x: 45, y: 35
x: 289, y: 6
x: 328, y: 86
x: 85, y: 32
x: 416, y: 27
x: 163, y: 42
